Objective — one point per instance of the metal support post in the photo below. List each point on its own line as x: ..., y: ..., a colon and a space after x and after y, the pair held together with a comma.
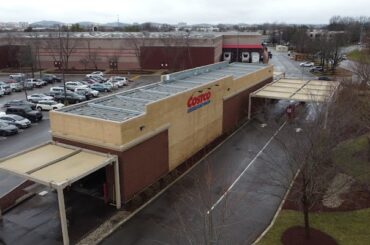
x: 117, y: 184
x: 249, y: 107
x: 63, y: 218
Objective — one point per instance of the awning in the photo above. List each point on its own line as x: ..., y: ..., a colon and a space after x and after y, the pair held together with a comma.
x: 244, y: 46
x: 57, y: 166
x: 299, y: 90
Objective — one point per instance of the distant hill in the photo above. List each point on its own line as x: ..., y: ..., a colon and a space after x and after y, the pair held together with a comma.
x: 46, y: 23
x: 116, y: 24
x: 86, y: 23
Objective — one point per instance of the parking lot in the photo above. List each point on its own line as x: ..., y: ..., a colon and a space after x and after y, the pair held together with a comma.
x: 39, y: 132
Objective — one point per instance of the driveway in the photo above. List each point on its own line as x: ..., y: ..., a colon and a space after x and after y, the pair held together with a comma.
x: 283, y: 63
x: 229, y: 189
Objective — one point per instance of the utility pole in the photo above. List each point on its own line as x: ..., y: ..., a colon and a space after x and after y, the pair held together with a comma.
x: 237, y: 48
x: 62, y: 64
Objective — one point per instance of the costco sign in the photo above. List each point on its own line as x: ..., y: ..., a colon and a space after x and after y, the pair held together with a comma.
x: 196, y: 102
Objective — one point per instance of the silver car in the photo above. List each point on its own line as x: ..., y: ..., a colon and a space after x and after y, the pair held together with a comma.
x: 16, y: 120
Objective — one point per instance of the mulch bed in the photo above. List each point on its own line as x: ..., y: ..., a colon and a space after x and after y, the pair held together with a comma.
x: 358, y: 197
x: 296, y: 236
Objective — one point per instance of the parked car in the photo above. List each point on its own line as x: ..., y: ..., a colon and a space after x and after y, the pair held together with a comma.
x: 93, y: 92
x: 7, y: 129
x: 36, y: 83
x: 121, y: 81
x: 16, y: 87
x: 89, y: 80
x: 2, y: 92
x: 113, y: 85
x: 70, y: 97
x: 324, y: 78
x: 47, y: 105
x: 101, y: 87
x: 307, y: 64
x: 57, y: 89
x: 16, y: 120
x: 50, y: 78
x: 316, y: 69
x: 97, y: 78
x: 25, y: 111
x: 20, y: 103
x: 27, y: 85
x: 18, y: 77
x: 6, y: 87
x: 84, y: 93
x: 34, y: 98
x: 73, y: 85
x: 99, y: 73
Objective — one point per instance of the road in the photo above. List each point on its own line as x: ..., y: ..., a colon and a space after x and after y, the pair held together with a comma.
x: 239, y: 215
x: 283, y: 63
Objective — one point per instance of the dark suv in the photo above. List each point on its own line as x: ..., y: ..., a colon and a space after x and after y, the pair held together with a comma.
x: 50, y: 78
x: 20, y: 103
x: 25, y: 111
x: 70, y: 97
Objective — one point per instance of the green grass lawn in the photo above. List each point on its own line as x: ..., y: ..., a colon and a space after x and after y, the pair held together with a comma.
x: 357, y: 55
x: 352, y: 157
x: 347, y: 228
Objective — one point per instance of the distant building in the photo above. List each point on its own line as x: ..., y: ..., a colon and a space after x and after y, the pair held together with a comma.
x: 319, y: 33
x: 155, y: 50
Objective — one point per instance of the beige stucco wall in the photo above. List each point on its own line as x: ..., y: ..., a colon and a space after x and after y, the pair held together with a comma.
x: 188, y: 132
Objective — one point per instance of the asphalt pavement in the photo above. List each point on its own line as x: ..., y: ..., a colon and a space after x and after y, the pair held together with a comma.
x: 229, y: 190
x: 283, y: 63
x: 39, y: 132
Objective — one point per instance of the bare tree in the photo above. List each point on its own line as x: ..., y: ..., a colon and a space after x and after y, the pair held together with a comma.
x: 62, y: 47
x: 135, y: 42
x: 308, y: 147
x: 196, y: 220
x: 361, y: 69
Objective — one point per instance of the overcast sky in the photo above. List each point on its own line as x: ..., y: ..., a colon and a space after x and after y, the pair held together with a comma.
x: 189, y: 11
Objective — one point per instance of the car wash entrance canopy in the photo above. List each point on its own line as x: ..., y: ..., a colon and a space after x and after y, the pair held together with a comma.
x: 58, y: 166
x: 299, y: 90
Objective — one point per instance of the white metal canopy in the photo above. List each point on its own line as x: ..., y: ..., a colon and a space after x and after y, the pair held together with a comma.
x: 57, y: 166
x: 299, y: 90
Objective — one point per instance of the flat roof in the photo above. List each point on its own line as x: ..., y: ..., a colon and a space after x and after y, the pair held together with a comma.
x: 113, y: 35
x: 55, y: 165
x: 300, y: 90
x: 131, y: 103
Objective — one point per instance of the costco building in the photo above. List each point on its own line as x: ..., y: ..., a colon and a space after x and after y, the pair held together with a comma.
x: 154, y: 129
x: 125, y: 142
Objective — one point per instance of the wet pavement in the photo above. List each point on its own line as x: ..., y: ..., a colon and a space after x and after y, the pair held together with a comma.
x: 283, y: 63
x: 36, y: 221
x: 180, y: 216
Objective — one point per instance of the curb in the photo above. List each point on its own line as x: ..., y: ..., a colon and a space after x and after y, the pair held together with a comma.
x: 167, y: 187
x: 259, y: 238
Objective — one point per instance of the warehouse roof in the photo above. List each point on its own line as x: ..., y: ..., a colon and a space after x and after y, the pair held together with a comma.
x: 131, y: 103
x: 104, y: 35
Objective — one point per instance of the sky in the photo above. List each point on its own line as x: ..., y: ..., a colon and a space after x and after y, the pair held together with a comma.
x: 188, y: 11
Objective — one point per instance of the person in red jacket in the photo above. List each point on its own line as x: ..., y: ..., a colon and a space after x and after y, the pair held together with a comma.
x: 290, y: 112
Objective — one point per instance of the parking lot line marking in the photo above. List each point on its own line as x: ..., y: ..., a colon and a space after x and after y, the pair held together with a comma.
x: 245, y: 169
